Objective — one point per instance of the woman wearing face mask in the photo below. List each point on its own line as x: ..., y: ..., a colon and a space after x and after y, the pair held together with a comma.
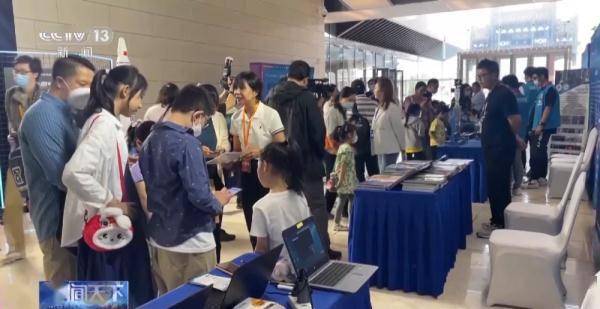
x: 95, y: 179
x: 253, y: 126
x: 336, y: 117
x: 388, y: 131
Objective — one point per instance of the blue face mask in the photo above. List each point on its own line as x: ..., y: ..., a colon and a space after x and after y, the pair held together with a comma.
x: 22, y: 80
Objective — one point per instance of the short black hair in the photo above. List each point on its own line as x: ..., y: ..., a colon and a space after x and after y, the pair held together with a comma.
x: 419, y: 85
x: 280, y: 155
x: 193, y: 98
x: 212, y: 92
x: 372, y: 81
x: 143, y: 129
x: 541, y: 71
x: 529, y: 71
x: 253, y: 81
x: 299, y: 70
x: 511, y: 81
x: 476, y: 84
x: 66, y: 67
x: 444, y: 109
x: 167, y: 94
x: 358, y: 85
x: 433, y: 81
x: 489, y: 65
x: 35, y: 65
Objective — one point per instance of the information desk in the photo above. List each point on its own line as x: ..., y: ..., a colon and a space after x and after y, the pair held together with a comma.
x: 412, y: 236
x: 320, y: 298
x: 470, y: 150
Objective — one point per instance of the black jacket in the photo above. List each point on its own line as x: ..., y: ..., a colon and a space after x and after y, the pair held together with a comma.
x: 304, y: 124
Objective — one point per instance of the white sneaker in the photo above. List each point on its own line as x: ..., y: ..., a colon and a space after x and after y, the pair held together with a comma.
x: 12, y: 257
x: 543, y: 181
x: 516, y: 192
x: 532, y: 184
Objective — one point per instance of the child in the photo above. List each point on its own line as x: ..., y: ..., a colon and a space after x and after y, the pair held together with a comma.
x: 136, y: 140
x: 345, y: 172
x: 285, y: 204
x: 414, y: 133
x: 437, y: 130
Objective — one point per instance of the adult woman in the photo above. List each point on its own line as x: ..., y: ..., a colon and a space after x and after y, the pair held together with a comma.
x: 253, y: 126
x: 336, y: 117
x: 417, y: 98
x: 95, y: 179
x: 215, y: 140
x: 329, y: 101
x: 388, y: 131
x: 166, y: 95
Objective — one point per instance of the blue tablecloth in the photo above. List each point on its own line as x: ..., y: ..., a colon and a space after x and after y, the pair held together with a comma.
x: 470, y: 150
x: 320, y: 298
x: 412, y: 236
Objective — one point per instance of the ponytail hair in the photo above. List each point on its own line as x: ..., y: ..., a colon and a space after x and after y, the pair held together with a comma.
x: 105, y: 87
x: 167, y: 94
x: 286, y: 159
x: 341, y: 133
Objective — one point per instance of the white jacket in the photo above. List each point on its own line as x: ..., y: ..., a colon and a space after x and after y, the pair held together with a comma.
x: 92, y: 174
x: 220, y: 125
x: 388, y: 130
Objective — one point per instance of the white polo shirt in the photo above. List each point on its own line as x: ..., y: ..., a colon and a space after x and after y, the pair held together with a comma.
x: 265, y: 124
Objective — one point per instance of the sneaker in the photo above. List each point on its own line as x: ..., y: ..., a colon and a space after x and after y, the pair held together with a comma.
x: 12, y: 257
x: 334, y: 255
x: 485, y: 233
x: 516, y: 192
x: 340, y: 228
x: 543, y: 182
x: 224, y: 236
x: 532, y: 184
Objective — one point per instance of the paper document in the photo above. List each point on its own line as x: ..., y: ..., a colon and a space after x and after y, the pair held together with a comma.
x: 225, y: 158
x: 219, y: 283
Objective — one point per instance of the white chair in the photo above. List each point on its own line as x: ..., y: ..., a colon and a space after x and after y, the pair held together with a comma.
x: 571, y: 157
x: 525, y: 266
x: 541, y: 218
x: 559, y: 168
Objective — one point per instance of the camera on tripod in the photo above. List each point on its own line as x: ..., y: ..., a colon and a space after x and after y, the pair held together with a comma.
x: 320, y: 87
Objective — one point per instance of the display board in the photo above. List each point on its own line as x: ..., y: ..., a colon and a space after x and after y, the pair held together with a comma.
x: 594, y: 114
x: 271, y: 74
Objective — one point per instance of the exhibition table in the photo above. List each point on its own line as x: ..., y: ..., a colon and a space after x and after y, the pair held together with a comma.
x: 470, y: 150
x: 320, y: 298
x: 412, y: 236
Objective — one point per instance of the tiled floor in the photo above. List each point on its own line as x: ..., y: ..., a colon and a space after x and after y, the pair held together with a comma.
x: 464, y: 287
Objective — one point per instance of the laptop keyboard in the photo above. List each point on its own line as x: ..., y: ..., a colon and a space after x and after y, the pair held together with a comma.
x: 333, y: 274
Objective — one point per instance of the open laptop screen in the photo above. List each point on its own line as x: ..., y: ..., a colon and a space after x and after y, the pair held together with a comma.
x: 305, y: 247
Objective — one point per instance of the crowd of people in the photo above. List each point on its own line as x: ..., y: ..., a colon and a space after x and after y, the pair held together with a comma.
x: 80, y: 164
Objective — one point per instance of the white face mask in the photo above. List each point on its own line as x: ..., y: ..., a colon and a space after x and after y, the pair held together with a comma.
x: 197, y: 129
x: 536, y: 83
x: 348, y: 105
x: 78, y: 98
x: 355, y: 139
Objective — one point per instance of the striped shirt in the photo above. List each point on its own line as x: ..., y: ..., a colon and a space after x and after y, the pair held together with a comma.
x: 366, y: 107
x: 48, y: 137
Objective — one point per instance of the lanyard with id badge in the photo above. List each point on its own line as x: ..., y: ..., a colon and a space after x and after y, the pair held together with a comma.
x: 246, y: 165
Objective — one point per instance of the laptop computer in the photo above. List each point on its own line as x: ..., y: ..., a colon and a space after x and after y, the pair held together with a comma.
x: 250, y: 280
x: 308, y: 253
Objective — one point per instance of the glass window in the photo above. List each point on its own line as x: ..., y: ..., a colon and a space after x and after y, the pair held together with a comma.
x: 379, y: 60
x: 387, y: 62
x: 335, y: 63
x: 539, y: 61
x: 471, y: 77
x: 348, y: 66
x: 369, y: 64
x: 559, y: 64
x: 520, y: 66
x: 359, y: 64
x: 504, y: 67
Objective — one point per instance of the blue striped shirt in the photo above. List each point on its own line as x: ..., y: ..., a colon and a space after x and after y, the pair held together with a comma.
x: 48, y: 137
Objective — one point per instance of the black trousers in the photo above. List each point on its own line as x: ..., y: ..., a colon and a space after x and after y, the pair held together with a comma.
x: 434, y: 150
x: 366, y: 160
x: 329, y: 196
x: 416, y: 156
x: 252, y: 191
x: 498, y: 164
x: 213, y: 174
x: 538, y: 156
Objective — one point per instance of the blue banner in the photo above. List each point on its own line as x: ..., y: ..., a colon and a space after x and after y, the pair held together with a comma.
x: 85, y: 294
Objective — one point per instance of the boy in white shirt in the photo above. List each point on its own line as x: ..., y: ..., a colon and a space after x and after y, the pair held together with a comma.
x: 285, y: 204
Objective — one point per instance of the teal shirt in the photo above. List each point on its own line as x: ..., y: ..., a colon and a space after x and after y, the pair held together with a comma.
x: 525, y: 108
x: 543, y: 100
x: 530, y: 91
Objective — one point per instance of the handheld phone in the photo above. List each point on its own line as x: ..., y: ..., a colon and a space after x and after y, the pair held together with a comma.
x: 234, y: 190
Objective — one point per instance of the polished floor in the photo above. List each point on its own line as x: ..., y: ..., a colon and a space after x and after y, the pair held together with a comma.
x: 464, y: 288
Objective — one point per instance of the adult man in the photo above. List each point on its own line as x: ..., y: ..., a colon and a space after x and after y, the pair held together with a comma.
x: 364, y: 108
x: 304, y: 125
x: 512, y: 82
x: 371, y: 84
x: 500, y: 124
x: 27, y: 71
x: 478, y: 99
x: 545, y: 120
x: 179, y: 196
x: 48, y: 137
